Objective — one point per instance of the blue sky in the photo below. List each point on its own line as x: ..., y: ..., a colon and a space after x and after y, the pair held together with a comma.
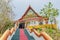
x: 20, y: 6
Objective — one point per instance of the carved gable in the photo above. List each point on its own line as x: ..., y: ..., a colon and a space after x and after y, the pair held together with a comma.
x: 30, y: 14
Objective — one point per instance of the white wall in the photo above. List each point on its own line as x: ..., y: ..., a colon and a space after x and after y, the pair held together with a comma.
x: 33, y: 23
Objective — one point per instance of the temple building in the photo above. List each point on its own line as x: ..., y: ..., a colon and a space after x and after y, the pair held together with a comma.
x: 30, y: 18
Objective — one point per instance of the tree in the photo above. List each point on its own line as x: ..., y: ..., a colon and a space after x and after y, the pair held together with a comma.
x: 6, y: 16
x: 49, y: 12
x: 54, y: 13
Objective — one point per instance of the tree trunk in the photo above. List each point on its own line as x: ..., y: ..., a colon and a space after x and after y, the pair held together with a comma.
x: 54, y: 20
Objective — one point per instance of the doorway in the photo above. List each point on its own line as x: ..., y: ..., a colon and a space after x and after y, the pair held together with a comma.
x: 22, y: 25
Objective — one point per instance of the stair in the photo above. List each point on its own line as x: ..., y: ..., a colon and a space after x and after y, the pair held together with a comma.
x: 27, y: 34
x: 16, y: 35
x: 23, y: 35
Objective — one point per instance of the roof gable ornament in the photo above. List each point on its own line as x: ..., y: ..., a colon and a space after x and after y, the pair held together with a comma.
x: 26, y: 12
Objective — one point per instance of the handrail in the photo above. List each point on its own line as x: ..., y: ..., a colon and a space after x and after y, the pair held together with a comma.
x: 12, y: 30
x: 7, y: 33
x: 44, y: 34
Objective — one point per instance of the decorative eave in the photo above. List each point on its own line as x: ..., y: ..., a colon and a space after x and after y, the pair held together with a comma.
x: 27, y: 12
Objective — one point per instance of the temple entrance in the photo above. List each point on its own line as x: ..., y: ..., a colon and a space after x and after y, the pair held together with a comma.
x: 22, y: 25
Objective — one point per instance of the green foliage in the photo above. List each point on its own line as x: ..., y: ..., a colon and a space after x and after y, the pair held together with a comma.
x: 8, y: 25
x: 50, y: 30
x: 55, y: 34
x: 58, y: 34
x: 40, y: 29
x: 49, y: 12
x: 6, y: 16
